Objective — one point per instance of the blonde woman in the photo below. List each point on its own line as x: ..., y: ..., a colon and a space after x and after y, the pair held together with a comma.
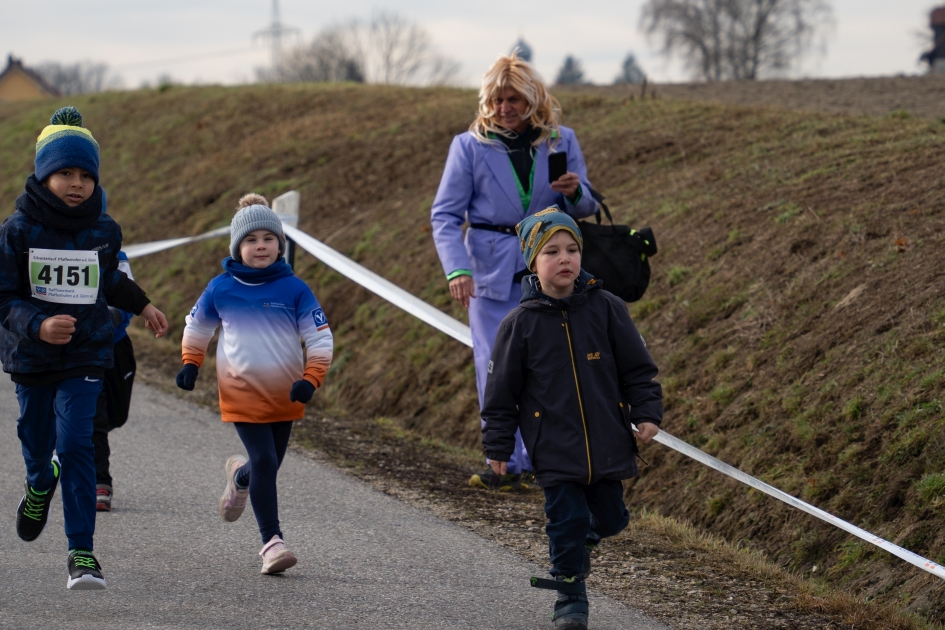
x: 496, y: 174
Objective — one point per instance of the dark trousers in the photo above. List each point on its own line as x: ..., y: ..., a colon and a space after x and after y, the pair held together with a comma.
x: 579, y: 515
x: 59, y: 416
x: 111, y: 411
x: 265, y: 444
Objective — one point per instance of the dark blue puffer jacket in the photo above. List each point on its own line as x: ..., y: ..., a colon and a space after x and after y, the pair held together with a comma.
x: 43, y: 221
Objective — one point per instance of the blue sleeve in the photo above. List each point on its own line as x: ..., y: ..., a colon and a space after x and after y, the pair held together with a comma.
x: 584, y: 204
x: 122, y: 328
x: 448, y: 212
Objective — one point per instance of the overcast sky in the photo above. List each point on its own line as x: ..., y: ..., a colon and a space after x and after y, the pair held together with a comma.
x: 142, y: 40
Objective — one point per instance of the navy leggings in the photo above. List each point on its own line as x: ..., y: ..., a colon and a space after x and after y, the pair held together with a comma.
x: 265, y: 444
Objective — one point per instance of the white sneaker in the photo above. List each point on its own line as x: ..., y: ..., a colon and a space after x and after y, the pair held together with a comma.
x: 233, y: 501
x: 276, y: 558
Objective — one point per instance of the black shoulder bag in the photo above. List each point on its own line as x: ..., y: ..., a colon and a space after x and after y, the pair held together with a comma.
x: 617, y: 254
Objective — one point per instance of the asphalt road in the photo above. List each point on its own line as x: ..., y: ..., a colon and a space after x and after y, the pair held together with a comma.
x: 365, y: 559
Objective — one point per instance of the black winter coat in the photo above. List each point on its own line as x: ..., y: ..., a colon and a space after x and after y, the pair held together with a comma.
x: 42, y: 221
x: 572, y: 374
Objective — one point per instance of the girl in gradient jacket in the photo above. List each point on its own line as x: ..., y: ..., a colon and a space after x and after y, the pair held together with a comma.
x: 263, y: 378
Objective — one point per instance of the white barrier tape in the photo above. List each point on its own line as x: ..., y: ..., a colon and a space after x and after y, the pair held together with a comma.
x: 459, y: 331
x: 691, y: 451
x: 134, y: 251
x: 381, y: 286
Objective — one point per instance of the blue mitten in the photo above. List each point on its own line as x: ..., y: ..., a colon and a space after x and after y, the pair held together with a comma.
x: 187, y: 377
x: 302, y: 391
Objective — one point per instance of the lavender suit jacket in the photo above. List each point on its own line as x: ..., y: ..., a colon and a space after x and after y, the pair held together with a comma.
x: 479, y: 186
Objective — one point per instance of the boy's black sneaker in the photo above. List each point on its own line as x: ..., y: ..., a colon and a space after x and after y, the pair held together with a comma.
x: 33, y: 510
x: 85, y: 573
x: 491, y: 481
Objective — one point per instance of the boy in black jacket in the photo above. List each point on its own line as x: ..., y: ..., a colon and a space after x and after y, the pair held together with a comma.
x: 58, y: 275
x: 571, y: 371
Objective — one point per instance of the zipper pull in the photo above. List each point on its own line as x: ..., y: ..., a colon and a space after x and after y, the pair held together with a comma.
x: 564, y: 314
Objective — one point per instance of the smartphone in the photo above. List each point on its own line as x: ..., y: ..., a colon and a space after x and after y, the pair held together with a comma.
x: 557, y: 165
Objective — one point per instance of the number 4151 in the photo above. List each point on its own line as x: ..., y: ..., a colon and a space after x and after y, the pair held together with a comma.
x: 72, y: 275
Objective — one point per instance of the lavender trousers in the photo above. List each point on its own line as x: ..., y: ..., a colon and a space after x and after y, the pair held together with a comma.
x: 485, y: 315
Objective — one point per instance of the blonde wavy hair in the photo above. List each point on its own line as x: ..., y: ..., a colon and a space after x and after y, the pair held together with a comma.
x: 544, y: 111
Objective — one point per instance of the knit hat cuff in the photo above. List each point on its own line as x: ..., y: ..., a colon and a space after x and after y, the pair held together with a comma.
x: 46, y: 136
x: 64, y: 150
x: 250, y: 219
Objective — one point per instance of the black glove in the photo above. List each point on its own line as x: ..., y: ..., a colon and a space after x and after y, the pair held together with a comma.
x: 302, y: 391
x: 187, y: 377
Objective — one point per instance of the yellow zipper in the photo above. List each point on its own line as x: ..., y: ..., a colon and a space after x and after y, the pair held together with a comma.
x: 577, y: 384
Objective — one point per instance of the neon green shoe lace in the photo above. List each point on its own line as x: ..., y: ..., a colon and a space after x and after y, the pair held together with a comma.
x: 84, y: 560
x: 35, y: 502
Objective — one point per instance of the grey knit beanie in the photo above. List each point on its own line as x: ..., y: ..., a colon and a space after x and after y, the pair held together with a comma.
x: 254, y: 214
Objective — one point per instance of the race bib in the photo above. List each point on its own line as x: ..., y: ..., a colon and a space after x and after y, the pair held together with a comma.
x: 64, y: 276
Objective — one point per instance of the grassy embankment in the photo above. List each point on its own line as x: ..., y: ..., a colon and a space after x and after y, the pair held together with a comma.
x: 796, y: 306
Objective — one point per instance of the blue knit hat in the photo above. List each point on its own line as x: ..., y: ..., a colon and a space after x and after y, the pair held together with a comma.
x: 64, y: 143
x: 535, y: 230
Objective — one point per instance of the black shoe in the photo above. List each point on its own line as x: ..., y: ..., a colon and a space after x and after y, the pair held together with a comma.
x: 528, y: 481
x: 571, y: 609
x: 103, y: 497
x: 491, y: 481
x: 33, y: 510
x: 85, y: 573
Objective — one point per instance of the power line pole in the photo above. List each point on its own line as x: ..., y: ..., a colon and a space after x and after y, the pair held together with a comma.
x: 275, y: 32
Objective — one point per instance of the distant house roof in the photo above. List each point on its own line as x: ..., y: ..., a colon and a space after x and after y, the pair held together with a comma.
x: 18, y: 82
x: 938, y: 17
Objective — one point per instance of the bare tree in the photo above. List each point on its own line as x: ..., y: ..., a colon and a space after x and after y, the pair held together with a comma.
x: 630, y: 71
x: 387, y: 49
x: 571, y: 72
x: 83, y: 77
x: 737, y: 39
x: 332, y: 56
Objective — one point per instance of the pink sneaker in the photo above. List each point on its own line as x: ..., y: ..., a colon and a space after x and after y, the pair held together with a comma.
x: 276, y: 558
x: 233, y: 501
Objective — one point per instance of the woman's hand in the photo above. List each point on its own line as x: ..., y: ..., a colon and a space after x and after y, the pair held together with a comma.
x: 57, y: 329
x: 155, y: 320
x: 646, y: 431
x: 567, y: 185
x: 461, y: 288
x: 499, y: 468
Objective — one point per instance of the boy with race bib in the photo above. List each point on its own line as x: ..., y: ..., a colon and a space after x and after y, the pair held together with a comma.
x: 263, y: 378
x: 58, y: 275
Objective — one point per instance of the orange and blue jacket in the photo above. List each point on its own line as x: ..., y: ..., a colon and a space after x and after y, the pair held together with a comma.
x: 259, y: 354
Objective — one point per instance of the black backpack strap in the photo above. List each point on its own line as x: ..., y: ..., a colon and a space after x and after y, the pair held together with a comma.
x: 599, y: 198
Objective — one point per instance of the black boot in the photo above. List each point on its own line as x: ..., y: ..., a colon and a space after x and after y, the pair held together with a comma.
x: 571, y: 609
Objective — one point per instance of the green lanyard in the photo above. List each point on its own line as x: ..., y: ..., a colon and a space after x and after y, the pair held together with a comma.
x: 525, y: 197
